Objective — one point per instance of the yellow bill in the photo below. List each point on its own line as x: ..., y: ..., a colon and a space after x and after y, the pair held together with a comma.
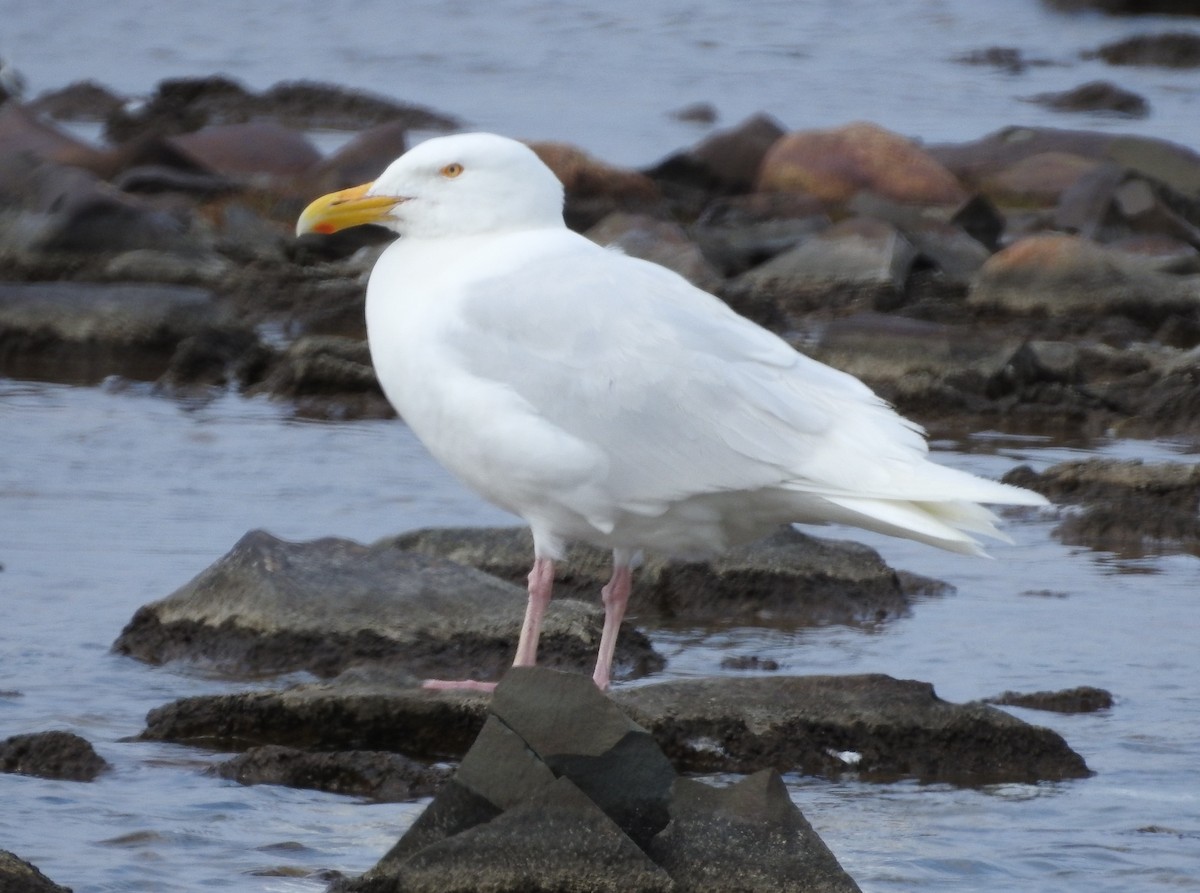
x: 344, y: 209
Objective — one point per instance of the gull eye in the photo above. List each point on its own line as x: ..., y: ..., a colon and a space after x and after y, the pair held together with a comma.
x: 451, y: 171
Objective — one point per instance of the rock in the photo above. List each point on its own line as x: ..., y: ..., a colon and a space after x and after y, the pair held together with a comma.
x: 379, y: 776
x: 23, y: 133
x: 1096, y: 96
x: 726, y: 162
x: 327, y: 376
x: 78, y: 101
x: 19, y: 876
x: 746, y: 836
x: 1129, y: 7
x: 55, y: 754
x: 659, y: 241
x: 271, y: 606
x: 1130, y: 507
x: 749, y: 662
x: 84, y: 332
x: 1176, y: 49
x: 360, y: 160
x: 182, y: 105
x: 561, y: 792
x: 1060, y: 275
x: 742, y: 231
x: 1083, y: 699
x: 835, y: 164
x: 1037, y: 180
x: 149, y: 265
x: 248, y: 151
x: 899, y: 729
x: 595, y: 189
x: 1010, y: 60
x: 895, y: 728
x: 697, y: 113
x: 1176, y: 166
x: 858, y: 261
x: 786, y: 577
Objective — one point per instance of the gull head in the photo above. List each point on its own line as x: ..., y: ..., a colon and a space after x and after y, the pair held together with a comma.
x: 463, y: 185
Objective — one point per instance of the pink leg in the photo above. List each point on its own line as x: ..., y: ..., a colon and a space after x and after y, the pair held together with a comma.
x: 616, y: 597
x: 541, y: 584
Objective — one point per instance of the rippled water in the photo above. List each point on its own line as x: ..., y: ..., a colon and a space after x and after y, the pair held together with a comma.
x: 109, y: 499
x: 607, y: 76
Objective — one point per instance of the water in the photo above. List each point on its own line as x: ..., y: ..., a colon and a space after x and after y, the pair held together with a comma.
x: 608, y: 76
x: 110, y: 498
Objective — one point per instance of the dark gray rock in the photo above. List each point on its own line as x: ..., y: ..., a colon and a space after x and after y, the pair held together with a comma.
x: 1175, y: 49
x: 660, y: 241
x: 54, y: 754
x: 19, y: 876
x: 1083, y: 699
x: 786, y: 577
x: 553, y: 797
x: 327, y: 376
x: 725, y: 162
x: 84, y: 332
x: 1096, y: 96
x: 273, y: 606
x: 748, y: 836
x: 377, y: 775
x: 880, y: 727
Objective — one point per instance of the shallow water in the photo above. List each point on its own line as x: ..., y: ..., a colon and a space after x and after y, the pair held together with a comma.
x: 112, y: 497
x: 608, y: 76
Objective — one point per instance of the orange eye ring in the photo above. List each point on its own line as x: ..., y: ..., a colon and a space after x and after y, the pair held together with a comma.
x: 451, y: 171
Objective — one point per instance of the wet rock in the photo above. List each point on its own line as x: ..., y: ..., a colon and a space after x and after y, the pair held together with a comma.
x: 749, y: 662
x: 55, y: 754
x: 1058, y: 275
x: 1176, y: 49
x: 746, y: 836
x: 271, y: 606
x: 1176, y: 166
x: 248, y: 150
x: 1037, y: 180
x: 327, y: 376
x: 786, y: 577
x: 723, y: 163
x: 185, y: 104
x: 79, y: 101
x: 892, y: 728
x: 660, y: 241
x: 858, y: 262
x: 697, y: 113
x: 201, y: 268
x: 1130, y: 7
x: 84, y: 332
x: 595, y: 189
x: 19, y: 876
x: 835, y: 164
x: 362, y: 159
x: 561, y: 792
x: 1010, y: 60
x: 379, y: 776
x: 793, y: 723
x: 1084, y: 699
x: 1129, y: 507
x: 1096, y: 96
x: 743, y: 231
x: 365, y: 709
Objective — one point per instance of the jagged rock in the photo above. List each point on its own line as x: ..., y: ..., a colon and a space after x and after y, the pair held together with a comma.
x: 1084, y: 699
x: 784, y: 577
x: 19, y: 876
x: 380, y: 776
x: 54, y: 754
x: 561, y: 792
x: 322, y: 606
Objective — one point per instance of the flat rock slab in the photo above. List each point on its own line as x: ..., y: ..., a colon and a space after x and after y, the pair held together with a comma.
x: 881, y: 728
x: 271, y: 606
x: 786, y: 577
x: 563, y: 792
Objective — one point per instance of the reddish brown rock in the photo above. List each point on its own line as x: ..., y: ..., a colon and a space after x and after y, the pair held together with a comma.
x: 251, y: 149
x: 836, y: 164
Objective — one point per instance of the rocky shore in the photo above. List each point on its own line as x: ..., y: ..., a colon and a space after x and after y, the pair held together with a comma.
x: 1035, y: 281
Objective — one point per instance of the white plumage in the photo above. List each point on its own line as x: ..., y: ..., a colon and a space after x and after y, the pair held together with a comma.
x: 604, y: 398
